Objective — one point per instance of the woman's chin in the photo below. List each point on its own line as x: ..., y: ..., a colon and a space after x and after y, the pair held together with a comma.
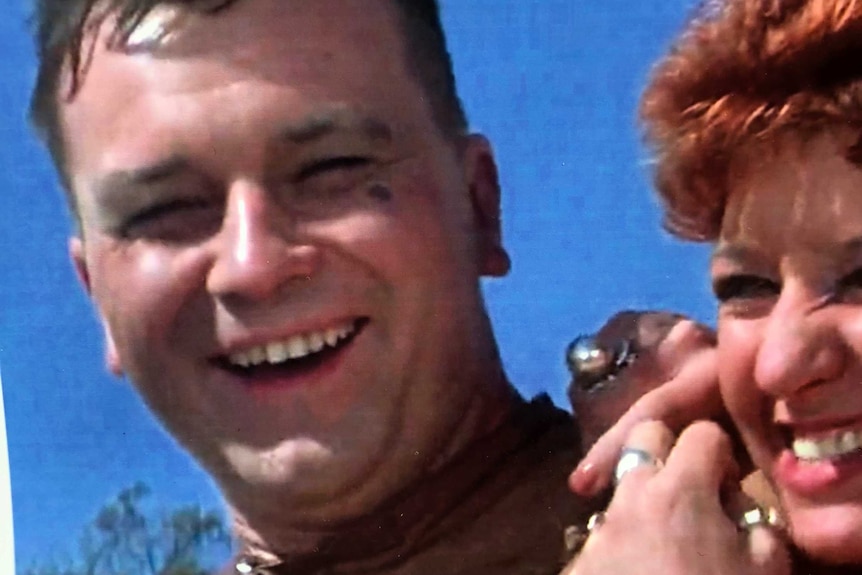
x: 829, y: 534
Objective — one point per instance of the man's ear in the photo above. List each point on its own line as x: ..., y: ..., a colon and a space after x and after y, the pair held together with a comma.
x: 79, y: 262
x: 485, y: 197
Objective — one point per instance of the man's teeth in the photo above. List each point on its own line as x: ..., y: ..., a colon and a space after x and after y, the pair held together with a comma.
x: 296, y: 347
x: 834, y: 445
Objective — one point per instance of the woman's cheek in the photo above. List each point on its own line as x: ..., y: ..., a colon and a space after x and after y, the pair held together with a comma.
x: 737, y: 354
x: 851, y: 326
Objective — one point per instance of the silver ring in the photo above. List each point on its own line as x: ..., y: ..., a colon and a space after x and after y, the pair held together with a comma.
x: 631, y: 458
x: 592, y: 364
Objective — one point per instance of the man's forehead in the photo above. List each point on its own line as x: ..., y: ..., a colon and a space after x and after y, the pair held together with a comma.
x: 281, y: 41
x: 276, y: 40
x: 332, y: 120
x: 176, y: 28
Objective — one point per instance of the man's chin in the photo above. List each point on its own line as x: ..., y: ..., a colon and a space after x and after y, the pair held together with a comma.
x: 303, y: 476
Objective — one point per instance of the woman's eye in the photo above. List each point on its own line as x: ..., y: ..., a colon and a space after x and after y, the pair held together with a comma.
x: 743, y: 287
x: 851, y: 280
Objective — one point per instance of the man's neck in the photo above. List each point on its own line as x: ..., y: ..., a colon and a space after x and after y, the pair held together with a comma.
x: 400, y: 520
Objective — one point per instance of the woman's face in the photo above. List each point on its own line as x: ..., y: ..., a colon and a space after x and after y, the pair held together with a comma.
x: 787, y: 271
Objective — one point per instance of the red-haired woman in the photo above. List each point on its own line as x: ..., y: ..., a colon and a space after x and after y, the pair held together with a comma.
x: 755, y: 122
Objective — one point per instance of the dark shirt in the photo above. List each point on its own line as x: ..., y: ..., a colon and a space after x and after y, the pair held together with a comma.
x: 500, y: 507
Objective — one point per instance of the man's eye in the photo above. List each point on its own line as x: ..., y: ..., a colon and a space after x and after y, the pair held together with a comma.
x: 173, y: 221
x: 156, y: 211
x: 332, y: 165
x: 743, y: 287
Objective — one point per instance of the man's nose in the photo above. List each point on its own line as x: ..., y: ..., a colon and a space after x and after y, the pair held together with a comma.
x: 801, y: 346
x: 258, y: 250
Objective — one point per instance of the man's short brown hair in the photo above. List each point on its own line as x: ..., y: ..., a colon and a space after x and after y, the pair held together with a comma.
x: 62, y: 27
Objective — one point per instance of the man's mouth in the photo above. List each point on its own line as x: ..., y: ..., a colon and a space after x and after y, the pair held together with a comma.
x: 305, y: 350
x: 827, y: 446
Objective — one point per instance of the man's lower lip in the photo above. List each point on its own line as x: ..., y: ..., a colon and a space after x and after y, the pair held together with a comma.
x: 813, y: 478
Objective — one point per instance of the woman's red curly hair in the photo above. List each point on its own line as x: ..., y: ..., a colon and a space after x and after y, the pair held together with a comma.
x: 742, y: 70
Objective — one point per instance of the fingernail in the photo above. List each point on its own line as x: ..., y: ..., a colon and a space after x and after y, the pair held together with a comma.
x: 583, y: 479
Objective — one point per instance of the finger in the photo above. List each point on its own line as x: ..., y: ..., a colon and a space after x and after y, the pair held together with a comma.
x: 685, y: 339
x: 652, y: 438
x: 768, y: 551
x: 663, y: 345
x: 747, y: 511
x: 644, y: 331
x: 646, y: 328
x: 703, y: 459
x: 692, y: 395
x: 764, y: 544
x: 737, y: 503
x: 594, y: 472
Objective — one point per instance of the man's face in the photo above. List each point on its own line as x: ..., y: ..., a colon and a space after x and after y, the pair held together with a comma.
x: 284, y: 250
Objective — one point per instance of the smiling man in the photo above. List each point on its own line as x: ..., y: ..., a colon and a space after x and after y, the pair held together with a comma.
x: 282, y: 225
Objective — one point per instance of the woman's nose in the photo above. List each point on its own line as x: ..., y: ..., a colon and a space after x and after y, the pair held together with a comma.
x: 800, y: 346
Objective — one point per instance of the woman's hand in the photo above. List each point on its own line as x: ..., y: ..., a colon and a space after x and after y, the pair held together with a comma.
x: 681, y: 517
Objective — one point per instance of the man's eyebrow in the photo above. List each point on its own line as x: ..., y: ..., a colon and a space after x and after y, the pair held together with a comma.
x: 318, y: 126
x: 120, y: 180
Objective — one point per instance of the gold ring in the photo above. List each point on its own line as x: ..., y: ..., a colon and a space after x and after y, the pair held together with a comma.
x: 595, y: 521
x: 760, y: 517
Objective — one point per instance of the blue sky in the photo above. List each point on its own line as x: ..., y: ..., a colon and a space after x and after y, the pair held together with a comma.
x: 553, y: 83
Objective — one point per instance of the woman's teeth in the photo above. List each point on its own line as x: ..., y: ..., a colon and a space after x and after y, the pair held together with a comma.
x: 827, y: 447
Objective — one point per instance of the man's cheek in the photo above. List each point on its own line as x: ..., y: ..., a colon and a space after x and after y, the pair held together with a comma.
x: 140, y: 300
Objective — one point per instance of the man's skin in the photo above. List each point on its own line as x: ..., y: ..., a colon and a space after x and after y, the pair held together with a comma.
x: 276, y: 171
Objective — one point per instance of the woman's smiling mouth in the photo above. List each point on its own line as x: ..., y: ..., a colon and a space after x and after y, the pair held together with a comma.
x: 831, y: 445
x: 814, y: 462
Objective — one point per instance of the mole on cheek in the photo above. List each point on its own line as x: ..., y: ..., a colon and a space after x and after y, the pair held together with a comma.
x: 380, y: 192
